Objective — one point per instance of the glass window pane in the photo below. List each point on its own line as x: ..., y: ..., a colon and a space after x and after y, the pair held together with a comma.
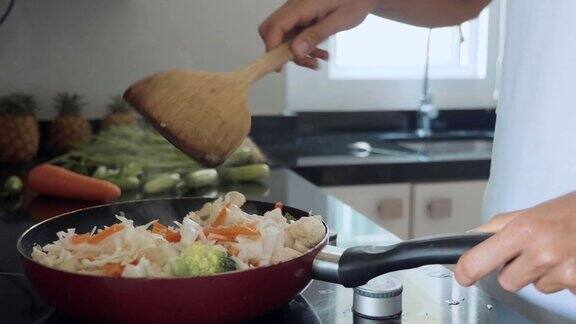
x: 379, y: 42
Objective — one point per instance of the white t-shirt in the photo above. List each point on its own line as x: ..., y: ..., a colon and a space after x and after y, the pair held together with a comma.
x: 534, y: 155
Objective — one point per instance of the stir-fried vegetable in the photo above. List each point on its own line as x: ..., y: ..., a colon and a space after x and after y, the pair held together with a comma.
x: 169, y: 234
x: 202, y: 260
x: 217, y: 238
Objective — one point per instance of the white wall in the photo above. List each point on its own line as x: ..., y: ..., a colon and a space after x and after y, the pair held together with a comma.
x: 98, y: 47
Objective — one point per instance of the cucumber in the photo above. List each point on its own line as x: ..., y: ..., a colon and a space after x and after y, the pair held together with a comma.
x: 162, y: 183
x: 101, y: 172
x: 151, y: 176
x: 13, y: 186
x: 241, y: 156
x: 251, y: 172
x: 132, y: 170
x: 201, y: 178
x: 126, y: 184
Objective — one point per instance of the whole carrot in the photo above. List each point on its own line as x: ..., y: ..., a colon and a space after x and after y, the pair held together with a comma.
x: 51, y: 180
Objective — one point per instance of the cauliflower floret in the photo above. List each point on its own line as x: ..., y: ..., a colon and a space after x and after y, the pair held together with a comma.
x: 288, y: 239
x: 210, y: 211
x: 194, y: 216
x: 190, y: 231
x: 248, y: 250
x: 298, y: 246
x: 276, y: 216
x: 234, y: 198
x: 307, y: 232
x: 203, y: 215
x: 236, y: 216
x: 284, y: 254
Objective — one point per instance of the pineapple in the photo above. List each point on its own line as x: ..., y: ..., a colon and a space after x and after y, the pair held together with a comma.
x: 120, y: 114
x: 69, y: 127
x: 19, y: 134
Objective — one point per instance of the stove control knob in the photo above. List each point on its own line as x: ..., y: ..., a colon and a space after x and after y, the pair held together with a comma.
x: 380, y: 298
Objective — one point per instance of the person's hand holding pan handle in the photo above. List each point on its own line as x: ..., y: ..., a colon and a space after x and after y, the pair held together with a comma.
x: 535, y: 245
x: 354, y: 266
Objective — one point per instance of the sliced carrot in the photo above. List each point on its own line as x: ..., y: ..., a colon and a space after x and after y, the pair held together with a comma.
x: 80, y: 238
x: 172, y: 236
x: 220, y: 238
x: 167, y: 233
x: 113, y: 269
x: 233, y: 250
x: 221, y: 218
x: 158, y: 228
x: 278, y: 205
x: 233, y: 230
x: 105, y: 233
x: 55, y: 181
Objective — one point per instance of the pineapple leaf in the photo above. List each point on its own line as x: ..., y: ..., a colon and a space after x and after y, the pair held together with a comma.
x: 18, y: 104
x: 68, y: 103
x: 118, y: 105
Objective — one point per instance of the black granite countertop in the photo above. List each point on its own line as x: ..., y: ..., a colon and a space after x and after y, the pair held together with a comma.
x: 327, y: 160
x: 429, y: 292
x: 316, y: 146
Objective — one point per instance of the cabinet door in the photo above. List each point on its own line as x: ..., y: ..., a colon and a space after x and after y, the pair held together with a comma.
x: 447, y: 207
x: 387, y: 205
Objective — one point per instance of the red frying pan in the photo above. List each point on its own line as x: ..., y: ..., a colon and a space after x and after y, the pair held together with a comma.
x: 228, y: 297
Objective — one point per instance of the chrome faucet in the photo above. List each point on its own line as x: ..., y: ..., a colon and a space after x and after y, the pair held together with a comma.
x: 427, y: 111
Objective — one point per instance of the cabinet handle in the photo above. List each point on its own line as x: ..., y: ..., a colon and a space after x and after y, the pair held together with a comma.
x: 390, y: 208
x: 439, y: 208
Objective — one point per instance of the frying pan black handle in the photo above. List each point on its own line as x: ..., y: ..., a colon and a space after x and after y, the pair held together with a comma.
x: 359, y: 264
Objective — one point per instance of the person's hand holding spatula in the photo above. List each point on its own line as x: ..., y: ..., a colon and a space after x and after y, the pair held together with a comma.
x: 205, y: 114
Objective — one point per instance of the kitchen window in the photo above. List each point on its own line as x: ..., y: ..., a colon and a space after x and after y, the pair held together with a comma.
x: 379, y: 65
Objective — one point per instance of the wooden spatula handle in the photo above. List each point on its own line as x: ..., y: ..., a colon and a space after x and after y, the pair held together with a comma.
x: 267, y: 63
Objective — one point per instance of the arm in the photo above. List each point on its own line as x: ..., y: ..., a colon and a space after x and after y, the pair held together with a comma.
x: 437, y: 13
x: 310, y: 22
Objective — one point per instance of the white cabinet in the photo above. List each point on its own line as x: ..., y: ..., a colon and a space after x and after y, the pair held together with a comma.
x: 417, y: 209
x: 446, y: 207
x: 388, y: 205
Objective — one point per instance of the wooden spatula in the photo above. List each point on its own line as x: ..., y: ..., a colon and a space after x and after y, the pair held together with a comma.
x: 204, y: 114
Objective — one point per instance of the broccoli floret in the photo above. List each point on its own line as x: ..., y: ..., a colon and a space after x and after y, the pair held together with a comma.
x: 202, y: 260
x: 289, y: 217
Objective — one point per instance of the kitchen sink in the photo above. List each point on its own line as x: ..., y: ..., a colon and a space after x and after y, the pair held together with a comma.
x: 475, y: 147
x: 458, y: 144
x: 426, y: 150
x: 436, y: 136
x: 386, y: 148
